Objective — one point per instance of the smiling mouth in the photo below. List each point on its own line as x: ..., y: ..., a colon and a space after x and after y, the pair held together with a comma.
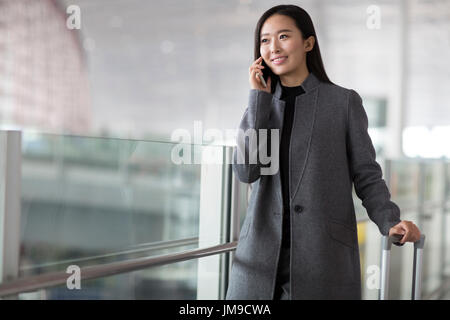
x: 279, y: 60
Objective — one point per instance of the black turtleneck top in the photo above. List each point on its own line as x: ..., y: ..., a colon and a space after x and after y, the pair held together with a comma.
x: 288, y: 95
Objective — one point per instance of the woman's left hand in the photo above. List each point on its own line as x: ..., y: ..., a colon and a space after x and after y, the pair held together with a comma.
x: 407, y: 229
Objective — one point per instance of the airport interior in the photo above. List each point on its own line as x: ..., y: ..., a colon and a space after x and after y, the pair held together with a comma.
x: 98, y: 100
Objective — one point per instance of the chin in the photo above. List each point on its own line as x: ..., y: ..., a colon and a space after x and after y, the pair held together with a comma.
x: 281, y: 72
x: 281, y: 69
x: 278, y: 71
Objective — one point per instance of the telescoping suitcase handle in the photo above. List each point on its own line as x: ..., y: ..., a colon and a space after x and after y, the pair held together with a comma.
x: 417, y: 269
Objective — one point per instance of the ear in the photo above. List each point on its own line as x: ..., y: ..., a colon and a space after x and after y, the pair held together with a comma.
x: 309, y: 43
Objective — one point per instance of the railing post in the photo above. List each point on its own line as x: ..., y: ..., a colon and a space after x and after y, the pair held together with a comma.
x: 211, y: 212
x: 443, y: 251
x: 226, y: 218
x: 235, y: 220
x: 10, y: 191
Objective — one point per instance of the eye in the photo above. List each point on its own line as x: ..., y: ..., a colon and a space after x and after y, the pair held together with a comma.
x: 283, y: 35
x: 262, y: 41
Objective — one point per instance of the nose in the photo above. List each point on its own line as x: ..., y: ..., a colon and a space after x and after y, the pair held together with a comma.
x: 274, y: 47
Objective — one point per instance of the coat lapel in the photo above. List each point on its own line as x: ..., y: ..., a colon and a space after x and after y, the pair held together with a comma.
x: 302, y: 128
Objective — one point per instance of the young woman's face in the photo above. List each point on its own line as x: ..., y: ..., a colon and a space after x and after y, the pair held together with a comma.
x: 280, y: 37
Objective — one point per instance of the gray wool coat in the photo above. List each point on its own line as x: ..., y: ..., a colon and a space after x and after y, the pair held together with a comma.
x: 330, y: 150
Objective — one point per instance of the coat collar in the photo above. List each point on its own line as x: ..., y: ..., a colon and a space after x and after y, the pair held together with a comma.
x: 308, y: 84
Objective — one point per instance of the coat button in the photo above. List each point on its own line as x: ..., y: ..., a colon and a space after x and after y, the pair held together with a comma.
x: 298, y: 208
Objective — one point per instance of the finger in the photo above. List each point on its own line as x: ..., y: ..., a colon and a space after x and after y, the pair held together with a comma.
x: 397, y: 234
x: 415, y: 233
x: 257, y: 76
x: 259, y: 79
x: 398, y: 237
x: 393, y: 230
x: 396, y: 230
x: 406, y: 237
x: 257, y: 61
x: 258, y: 67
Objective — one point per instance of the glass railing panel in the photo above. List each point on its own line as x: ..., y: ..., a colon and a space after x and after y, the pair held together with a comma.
x: 92, y: 200
x: 447, y: 181
x: 434, y: 182
x: 404, y: 182
x: 418, y: 187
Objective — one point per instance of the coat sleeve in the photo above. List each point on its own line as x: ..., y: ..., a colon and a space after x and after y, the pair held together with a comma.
x: 256, y: 116
x: 365, y: 171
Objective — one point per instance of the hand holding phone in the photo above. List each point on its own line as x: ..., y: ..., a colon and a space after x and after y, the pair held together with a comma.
x: 257, y: 80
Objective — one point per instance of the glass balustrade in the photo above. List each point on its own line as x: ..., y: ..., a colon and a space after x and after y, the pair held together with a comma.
x: 89, y: 201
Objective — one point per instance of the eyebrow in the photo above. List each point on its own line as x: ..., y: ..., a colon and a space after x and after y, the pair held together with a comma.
x: 283, y: 30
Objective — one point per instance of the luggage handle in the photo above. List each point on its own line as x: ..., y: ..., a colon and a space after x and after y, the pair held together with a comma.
x: 417, y: 268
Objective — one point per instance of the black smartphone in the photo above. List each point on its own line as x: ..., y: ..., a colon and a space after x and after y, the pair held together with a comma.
x: 264, y: 77
x: 262, y: 80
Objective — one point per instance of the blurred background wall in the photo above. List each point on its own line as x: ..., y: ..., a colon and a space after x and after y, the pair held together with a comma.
x: 141, y: 69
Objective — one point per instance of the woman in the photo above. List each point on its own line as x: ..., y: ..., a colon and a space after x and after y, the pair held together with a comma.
x: 299, y: 237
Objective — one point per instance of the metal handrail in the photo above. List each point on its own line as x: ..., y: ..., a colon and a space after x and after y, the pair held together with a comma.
x: 152, y: 246
x: 33, y: 283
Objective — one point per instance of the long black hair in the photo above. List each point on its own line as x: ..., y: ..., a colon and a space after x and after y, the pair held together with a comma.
x: 305, y: 25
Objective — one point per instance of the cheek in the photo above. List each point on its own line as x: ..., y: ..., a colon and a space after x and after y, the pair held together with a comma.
x: 263, y: 51
x: 297, y: 54
x: 294, y: 46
